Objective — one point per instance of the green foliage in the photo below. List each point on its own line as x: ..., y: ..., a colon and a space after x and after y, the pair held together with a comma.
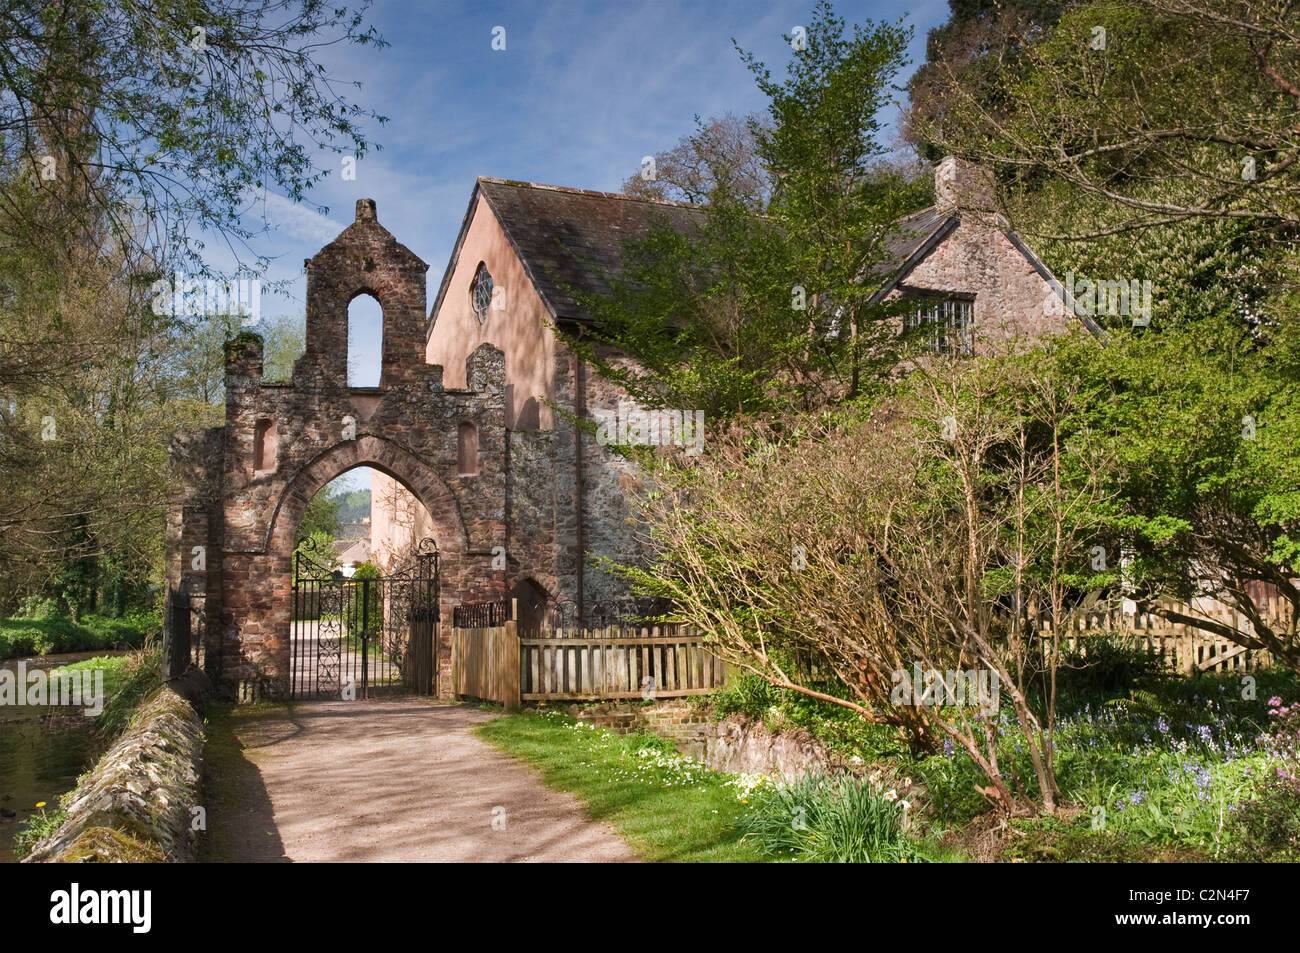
x: 359, y: 595
x: 139, y: 677
x: 1108, y: 664
x: 37, y: 826
x: 749, y: 695
x: 321, y: 518
x: 742, y: 313
x: 1267, y: 827
x: 53, y: 633
x: 839, y: 819
x: 354, y: 505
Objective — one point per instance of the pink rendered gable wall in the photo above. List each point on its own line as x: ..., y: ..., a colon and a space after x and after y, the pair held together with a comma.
x: 522, y: 330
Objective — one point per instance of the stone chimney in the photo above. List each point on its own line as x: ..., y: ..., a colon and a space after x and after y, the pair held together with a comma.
x: 960, y: 185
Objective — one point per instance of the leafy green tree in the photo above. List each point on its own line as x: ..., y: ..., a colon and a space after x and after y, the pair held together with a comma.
x: 321, y: 518
x: 821, y: 145
x: 129, y: 135
x: 159, y: 120
x: 743, y: 312
x: 1171, y: 110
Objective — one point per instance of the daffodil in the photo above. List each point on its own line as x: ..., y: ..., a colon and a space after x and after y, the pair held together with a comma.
x: 891, y: 795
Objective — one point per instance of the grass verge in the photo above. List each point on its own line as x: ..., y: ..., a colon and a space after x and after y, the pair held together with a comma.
x: 666, y: 807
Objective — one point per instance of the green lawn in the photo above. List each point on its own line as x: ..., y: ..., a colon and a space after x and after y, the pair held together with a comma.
x: 666, y: 807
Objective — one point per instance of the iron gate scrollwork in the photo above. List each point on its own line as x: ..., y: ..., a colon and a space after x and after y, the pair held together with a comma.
x: 365, y: 634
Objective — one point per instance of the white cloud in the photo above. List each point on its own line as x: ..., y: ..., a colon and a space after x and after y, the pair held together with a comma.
x: 298, y: 220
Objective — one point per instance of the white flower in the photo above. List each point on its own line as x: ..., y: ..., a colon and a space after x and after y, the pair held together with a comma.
x: 891, y: 795
x: 905, y: 804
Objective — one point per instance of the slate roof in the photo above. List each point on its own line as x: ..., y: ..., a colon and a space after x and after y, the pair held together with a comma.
x: 569, y: 237
x: 574, y: 238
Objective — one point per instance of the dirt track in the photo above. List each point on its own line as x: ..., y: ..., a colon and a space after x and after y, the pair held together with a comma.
x: 394, y: 780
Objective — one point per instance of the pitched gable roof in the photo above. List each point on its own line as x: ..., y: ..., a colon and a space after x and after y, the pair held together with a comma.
x: 568, y: 237
x: 919, y: 234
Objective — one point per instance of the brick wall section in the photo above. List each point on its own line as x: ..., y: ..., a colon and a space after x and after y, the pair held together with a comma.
x: 406, y: 428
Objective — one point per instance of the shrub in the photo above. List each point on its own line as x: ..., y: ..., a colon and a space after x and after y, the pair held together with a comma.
x: 749, y: 695
x: 1268, y: 826
x: 1107, y: 664
x: 43, y: 636
x: 839, y: 819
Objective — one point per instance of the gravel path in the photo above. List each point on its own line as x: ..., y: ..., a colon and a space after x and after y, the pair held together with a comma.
x: 397, y: 779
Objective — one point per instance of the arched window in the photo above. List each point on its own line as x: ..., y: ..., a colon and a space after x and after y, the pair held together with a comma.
x: 480, y: 292
x: 467, y: 450
x: 365, y: 341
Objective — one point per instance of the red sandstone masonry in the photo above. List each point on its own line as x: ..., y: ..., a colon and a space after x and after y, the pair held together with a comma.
x: 407, y: 428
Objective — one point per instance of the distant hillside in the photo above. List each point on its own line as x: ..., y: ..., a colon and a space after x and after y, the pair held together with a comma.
x: 354, y: 506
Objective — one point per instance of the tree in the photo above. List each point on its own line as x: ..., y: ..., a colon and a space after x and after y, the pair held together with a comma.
x: 935, y: 530
x: 820, y: 146
x: 1170, y: 110
x: 160, y: 122
x: 321, y: 518
x: 979, y: 40
x: 720, y: 150
x: 746, y: 312
x: 128, y: 134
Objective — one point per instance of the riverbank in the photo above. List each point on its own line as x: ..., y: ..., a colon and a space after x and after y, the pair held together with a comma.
x: 45, y: 749
x: 24, y: 637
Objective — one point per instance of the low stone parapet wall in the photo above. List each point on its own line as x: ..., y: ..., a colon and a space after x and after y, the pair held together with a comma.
x: 734, y: 745
x: 139, y: 802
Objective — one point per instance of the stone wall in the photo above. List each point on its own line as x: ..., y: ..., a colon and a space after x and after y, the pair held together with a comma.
x: 734, y: 745
x: 138, y: 802
x: 1012, y: 300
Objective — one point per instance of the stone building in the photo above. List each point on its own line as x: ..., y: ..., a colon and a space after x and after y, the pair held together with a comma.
x: 472, y: 430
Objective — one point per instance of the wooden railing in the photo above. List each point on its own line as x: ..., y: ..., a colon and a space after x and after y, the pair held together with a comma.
x: 572, y: 664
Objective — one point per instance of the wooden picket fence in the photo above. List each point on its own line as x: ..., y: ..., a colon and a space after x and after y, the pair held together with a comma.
x: 580, y: 664
x: 1186, y: 648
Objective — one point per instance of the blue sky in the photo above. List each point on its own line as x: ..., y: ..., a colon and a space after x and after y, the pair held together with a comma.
x: 582, y: 91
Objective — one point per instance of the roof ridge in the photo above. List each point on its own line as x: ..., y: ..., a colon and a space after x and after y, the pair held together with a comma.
x: 519, y: 183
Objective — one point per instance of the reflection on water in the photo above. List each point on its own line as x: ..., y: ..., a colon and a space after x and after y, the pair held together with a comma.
x: 42, y: 752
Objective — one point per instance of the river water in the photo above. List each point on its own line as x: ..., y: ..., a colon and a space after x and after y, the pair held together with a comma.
x: 42, y: 752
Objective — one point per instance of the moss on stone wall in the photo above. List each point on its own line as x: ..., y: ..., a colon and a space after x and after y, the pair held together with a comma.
x: 137, y: 803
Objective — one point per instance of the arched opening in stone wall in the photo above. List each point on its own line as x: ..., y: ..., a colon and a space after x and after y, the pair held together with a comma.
x: 365, y: 341
x: 364, y: 589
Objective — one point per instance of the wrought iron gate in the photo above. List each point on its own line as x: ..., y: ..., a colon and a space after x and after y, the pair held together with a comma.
x: 358, y: 636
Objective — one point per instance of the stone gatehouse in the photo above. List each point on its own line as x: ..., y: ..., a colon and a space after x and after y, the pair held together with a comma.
x: 246, y: 484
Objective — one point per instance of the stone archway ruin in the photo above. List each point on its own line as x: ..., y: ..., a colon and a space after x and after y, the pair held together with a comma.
x: 244, y: 485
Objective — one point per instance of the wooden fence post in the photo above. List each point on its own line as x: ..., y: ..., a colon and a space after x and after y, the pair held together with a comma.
x: 509, y: 661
